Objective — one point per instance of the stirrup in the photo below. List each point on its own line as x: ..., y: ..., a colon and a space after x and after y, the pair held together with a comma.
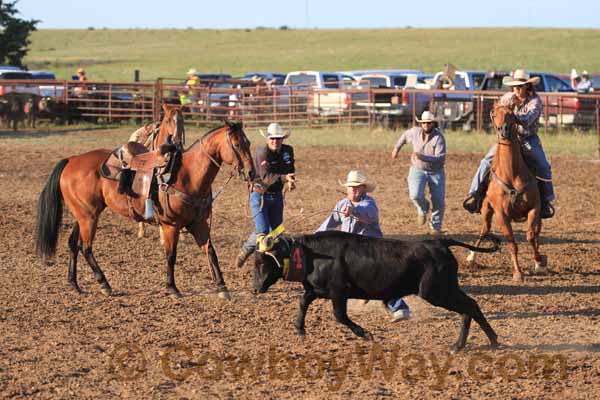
x: 473, y: 204
x: 547, y: 211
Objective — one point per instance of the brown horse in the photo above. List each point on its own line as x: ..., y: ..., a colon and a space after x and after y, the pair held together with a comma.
x: 513, y: 193
x: 186, y: 202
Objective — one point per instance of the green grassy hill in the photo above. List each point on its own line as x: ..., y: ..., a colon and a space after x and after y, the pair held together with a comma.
x: 114, y: 54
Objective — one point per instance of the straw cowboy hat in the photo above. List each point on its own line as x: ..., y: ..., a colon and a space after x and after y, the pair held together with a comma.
x: 520, y: 77
x: 275, y: 131
x: 427, y: 116
x: 192, y: 71
x: 257, y: 78
x: 355, y: 178
x: 585, y: 73
x: 80, y: 71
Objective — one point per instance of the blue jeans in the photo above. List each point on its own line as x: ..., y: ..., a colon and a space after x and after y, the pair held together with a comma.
x: 534, y: 154
x: 267, y: 218
x: 436, y: 180
x: 397, y: 304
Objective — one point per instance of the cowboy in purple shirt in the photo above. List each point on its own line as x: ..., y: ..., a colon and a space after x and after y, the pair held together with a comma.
x: 358, y: 213
x: 427, y: 159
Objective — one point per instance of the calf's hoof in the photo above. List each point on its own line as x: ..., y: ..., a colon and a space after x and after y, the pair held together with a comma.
x: 301, y: 333
x: 366, y: 336
x: 224, y: 293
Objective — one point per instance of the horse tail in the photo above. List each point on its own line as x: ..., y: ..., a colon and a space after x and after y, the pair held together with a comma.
x: 49, y: 213
x: 494, y: 248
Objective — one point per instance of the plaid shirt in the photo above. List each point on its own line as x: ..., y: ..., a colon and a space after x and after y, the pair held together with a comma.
x: 528, y: 113
x: 432, y: 153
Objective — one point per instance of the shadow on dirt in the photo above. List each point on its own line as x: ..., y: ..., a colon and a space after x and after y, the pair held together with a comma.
x: 521, y: 239
x: 520, y: 290
x: 9, y: 134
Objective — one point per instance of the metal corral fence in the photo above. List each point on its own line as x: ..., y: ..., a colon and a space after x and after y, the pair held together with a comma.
x: 261, y: 104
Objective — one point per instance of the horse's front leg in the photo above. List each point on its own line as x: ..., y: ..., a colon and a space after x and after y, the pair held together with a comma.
x: 487, y: 212
x: 141, y: 230
x: 200, y: 230
x: 504, y: 223
x: 534, y: 226
x: 171, y: 237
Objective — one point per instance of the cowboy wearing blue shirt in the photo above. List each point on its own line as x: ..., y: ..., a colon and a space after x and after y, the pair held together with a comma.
x: 358, y: 213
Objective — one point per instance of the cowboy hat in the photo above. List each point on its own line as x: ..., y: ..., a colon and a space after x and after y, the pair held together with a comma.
x: 520, y: 77
x: 80, y: 71
x: 257, y: 78
x: 427, y: 116
x: 275, y: 131
x: 585, y: 73
x: 192, y: 71
x: 355, y: 178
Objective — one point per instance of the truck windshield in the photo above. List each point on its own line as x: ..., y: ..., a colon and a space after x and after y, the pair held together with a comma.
x: 302, y: 79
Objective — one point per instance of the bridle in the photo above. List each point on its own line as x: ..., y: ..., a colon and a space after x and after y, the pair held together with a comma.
x: 239, y: 167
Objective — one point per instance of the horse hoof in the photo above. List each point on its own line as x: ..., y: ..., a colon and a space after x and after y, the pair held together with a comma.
x: 224, y: 294
x: 543, y: 262
x: 455, y: 349
x: 518, y: 277
x: 107, y: 291
x: 540, y: 270
x: 175, y: 292
x: 367, y: 336
x: 77, y: 289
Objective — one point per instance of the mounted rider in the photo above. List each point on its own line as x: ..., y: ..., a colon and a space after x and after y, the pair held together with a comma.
x: 526, y: 105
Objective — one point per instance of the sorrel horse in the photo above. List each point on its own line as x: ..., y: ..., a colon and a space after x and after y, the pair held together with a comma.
x: 171, y: 130
x: 186, y: 202
x: 513, y: 193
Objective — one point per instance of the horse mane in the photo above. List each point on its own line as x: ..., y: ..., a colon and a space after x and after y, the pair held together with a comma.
x: 234, y: 126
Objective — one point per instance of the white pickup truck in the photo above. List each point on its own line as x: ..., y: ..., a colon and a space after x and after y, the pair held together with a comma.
x: 327, y: 97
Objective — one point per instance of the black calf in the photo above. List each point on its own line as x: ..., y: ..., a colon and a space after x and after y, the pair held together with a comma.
x: 341, y: 266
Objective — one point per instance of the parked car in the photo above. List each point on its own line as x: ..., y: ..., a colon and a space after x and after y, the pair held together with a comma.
x: 456, y: 110
x: 14, y: 75
x: 55, y: 91
x: 327, y: 97
x: 393, y: 109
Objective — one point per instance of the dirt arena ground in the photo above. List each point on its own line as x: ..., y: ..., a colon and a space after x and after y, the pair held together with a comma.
x: 140, y: 342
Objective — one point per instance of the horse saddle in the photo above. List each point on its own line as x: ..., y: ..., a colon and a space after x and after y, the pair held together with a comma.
x: 138, y: 170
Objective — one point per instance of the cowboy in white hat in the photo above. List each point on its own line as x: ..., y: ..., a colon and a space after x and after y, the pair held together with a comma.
x: 275, y: 166
x: 427, y: 169
x: 527, y: 108
x: 358, y: 213
x: 584, y: 85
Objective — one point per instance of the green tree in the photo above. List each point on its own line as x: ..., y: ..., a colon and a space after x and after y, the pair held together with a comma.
x: 14, y: 34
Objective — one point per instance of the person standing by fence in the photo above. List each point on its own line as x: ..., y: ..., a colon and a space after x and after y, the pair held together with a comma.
x: 427, y: 169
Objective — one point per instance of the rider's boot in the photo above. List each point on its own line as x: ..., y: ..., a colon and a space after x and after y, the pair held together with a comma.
x: 547, y: 208
x: 474, y: 201
x: 125, y: 178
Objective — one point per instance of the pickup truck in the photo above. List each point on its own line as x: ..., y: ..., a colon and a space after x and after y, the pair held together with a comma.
x: 327, y: 96
x: 556, y: 109
x: 456, y: 110
x: 391, y: 106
